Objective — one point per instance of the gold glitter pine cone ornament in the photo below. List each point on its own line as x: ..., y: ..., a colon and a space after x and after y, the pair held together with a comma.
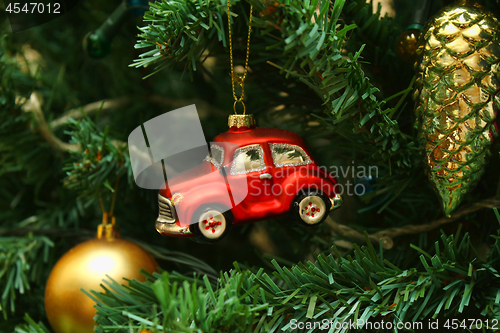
x: 457, y: 97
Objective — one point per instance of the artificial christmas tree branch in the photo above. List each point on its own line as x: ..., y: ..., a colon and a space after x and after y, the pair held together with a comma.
x: 387, y: 235
x: 22, y: 258
x: 493, y: 202
x: 345, y: 231
x: 34, y: 106
x: 364, y: 286
x: 99, y: 106
x: 116, y: 103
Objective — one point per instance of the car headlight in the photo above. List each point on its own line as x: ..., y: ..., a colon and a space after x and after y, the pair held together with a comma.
x: 177, y: 198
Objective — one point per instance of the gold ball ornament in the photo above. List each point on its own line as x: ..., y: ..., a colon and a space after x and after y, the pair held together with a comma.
x: 406, y: 45
x: 68, y: 309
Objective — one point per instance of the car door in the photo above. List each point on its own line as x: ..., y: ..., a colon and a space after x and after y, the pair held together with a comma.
x: 249, y: 167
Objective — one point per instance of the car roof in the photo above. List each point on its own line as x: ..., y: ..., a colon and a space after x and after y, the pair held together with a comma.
x: 244, y: 137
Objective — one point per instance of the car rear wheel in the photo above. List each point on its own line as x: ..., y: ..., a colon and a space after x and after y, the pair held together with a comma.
x: 310, y: 208
x: 211, y: 223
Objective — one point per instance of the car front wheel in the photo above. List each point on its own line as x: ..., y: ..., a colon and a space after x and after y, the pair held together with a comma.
x: 211, y: 224
x: 310, y: 208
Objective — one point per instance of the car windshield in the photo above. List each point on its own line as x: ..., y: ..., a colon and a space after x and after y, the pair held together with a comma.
x: 216, y: 155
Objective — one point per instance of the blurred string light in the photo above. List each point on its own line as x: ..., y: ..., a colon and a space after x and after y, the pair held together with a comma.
x: 97, y: 43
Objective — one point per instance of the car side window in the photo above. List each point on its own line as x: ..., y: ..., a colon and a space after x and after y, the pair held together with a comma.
x: 248, y: 159
x: 288, y: 155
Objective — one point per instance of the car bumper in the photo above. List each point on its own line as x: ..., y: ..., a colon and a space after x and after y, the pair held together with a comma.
x: 167, y: 222
x: 172, y: 229
x: 336, y: 201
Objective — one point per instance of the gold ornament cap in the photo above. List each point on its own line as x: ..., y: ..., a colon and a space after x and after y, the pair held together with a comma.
x: 241, y: 120
x: 108, y: 231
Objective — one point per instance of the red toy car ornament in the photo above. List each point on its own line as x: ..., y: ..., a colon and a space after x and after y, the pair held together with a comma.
x: 251, y: 174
